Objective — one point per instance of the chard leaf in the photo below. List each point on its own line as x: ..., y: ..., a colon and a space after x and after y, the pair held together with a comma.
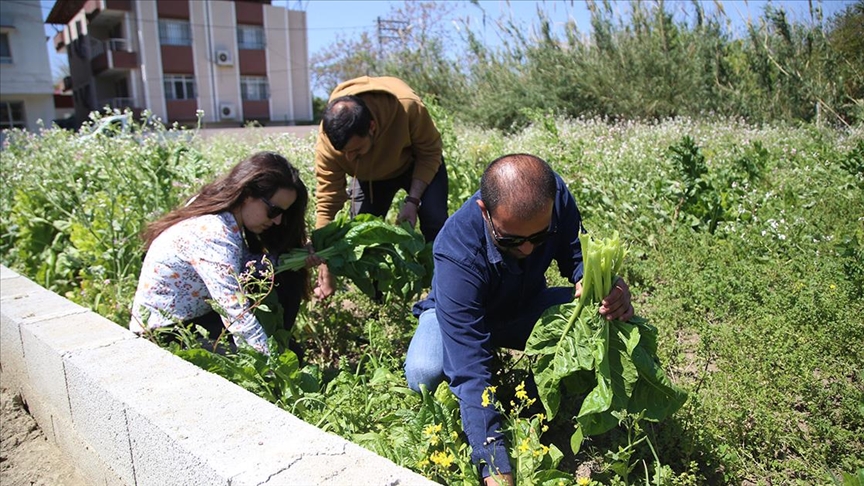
x: 376, y: 256
x: 611, y: 365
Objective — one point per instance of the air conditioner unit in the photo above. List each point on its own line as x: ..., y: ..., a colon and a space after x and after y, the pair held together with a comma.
x: 224, y: 58
x: 227, y: 111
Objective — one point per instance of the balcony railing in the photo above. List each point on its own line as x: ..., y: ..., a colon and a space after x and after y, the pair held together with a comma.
x: 99, y: 47
x: 118, y: 45
x: 118, y: 103
x: 111, y: 55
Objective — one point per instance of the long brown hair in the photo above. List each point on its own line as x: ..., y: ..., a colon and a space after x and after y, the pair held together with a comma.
x: 260, y: 175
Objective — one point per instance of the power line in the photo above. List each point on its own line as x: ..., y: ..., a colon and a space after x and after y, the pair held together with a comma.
x: 385, y: 26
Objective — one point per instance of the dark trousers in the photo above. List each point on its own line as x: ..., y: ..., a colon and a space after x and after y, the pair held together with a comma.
x: 376, y: 197
x: 289, y: 290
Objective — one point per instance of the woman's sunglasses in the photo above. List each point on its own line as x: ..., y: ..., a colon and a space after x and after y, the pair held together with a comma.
x: 515, y: 241
x: 273, y: 211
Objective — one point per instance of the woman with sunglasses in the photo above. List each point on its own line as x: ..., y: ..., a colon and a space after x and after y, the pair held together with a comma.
x: 489, y: 289
x: 200, y: 252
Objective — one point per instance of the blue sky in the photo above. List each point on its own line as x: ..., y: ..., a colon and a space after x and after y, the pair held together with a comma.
x: 328, y: 19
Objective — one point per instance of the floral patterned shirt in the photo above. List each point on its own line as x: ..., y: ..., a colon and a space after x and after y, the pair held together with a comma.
x: 193, y: 261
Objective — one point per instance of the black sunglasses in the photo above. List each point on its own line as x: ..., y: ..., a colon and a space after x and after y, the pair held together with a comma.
x: 273, y: 211
x: 515, y: 241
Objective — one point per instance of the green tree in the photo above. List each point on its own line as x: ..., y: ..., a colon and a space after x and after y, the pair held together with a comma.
x: 846, y: 40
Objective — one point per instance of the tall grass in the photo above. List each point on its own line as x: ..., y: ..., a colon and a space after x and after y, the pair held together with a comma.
x: 640, y: 60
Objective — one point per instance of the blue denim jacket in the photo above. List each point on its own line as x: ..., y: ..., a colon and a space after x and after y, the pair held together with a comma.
x: 476, y: 291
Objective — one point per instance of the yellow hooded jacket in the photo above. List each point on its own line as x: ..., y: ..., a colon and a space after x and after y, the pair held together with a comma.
x: 405, y: 134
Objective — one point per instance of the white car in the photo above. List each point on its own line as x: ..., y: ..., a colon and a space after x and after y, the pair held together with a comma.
x: 124, y: 125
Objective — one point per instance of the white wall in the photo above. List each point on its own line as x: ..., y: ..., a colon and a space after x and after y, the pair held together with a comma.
x: 29, y: 77
x: 126, y: 412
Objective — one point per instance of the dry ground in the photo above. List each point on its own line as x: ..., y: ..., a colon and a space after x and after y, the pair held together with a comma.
x: 27, y: 458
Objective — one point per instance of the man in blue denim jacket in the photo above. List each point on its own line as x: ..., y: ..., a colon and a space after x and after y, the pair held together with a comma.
x: 489, y: 289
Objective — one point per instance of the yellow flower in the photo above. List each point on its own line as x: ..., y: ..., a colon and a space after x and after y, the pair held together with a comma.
x: 583, y: 481
x: 423, y: 463
x: 442, y: 458
x: 521, y: 394
x: 433, y: 440
x: 542, y: 451
x: 432, y: 429
x: 486, y: 395
x: 523, y: 447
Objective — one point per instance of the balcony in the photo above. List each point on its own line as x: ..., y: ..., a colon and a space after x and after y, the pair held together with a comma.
x: 99, y: 12
x: 111, y: 56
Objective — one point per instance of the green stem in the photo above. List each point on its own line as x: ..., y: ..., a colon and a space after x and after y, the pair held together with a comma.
x: 296, y: 258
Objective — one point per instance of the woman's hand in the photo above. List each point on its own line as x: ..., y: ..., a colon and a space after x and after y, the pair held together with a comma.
x: 313, y: 260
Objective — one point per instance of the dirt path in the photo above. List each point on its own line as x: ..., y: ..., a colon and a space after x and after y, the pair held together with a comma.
x: 27, y: 458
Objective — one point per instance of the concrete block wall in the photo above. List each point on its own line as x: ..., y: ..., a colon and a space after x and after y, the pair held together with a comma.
x: 126, y: 412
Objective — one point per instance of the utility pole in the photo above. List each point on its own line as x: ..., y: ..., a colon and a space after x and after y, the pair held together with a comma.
x: 387, y: 26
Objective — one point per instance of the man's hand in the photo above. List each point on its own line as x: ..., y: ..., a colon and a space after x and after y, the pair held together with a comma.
x: 326, y: 283
x: 408, y: 213
x: 616, y: 305
x: 499, y: 480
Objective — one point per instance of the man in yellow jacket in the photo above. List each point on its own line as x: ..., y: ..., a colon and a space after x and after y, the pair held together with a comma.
x: 377, y: 131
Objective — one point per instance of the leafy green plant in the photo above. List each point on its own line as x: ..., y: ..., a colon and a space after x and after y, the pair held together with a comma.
x: 761, y: 319
x: 710, y: 196
x: 576, y: 351
x: 534, y: 463
x: 374, y: 255
x: 446, y: 456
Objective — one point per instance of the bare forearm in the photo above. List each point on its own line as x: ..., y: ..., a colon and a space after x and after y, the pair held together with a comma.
x: 417, y: 189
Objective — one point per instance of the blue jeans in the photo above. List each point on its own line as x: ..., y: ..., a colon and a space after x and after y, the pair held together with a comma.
x: 424, y: 362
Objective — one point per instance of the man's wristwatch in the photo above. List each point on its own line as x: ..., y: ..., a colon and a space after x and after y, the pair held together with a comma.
x: 413, y: 200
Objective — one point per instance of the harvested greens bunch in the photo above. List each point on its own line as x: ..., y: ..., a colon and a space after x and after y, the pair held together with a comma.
x: 373, y: 254
x: 612, y: 364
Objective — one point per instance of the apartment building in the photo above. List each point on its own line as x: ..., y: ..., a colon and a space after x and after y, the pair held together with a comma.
x: 235, y: 60
x: 26, y: 91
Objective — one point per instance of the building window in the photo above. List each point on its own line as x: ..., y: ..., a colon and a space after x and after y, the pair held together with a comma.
x: 12, y: 115
x: 250, y: 37
x: 5, y: 51
x: 179, y: 87
x: 254, y: 88
x: 174, y: 32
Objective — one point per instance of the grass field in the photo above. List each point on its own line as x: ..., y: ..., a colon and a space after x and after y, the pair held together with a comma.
x: 746, y: 252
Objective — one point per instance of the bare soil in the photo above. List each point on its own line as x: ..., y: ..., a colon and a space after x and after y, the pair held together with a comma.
x: 27, y: 457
